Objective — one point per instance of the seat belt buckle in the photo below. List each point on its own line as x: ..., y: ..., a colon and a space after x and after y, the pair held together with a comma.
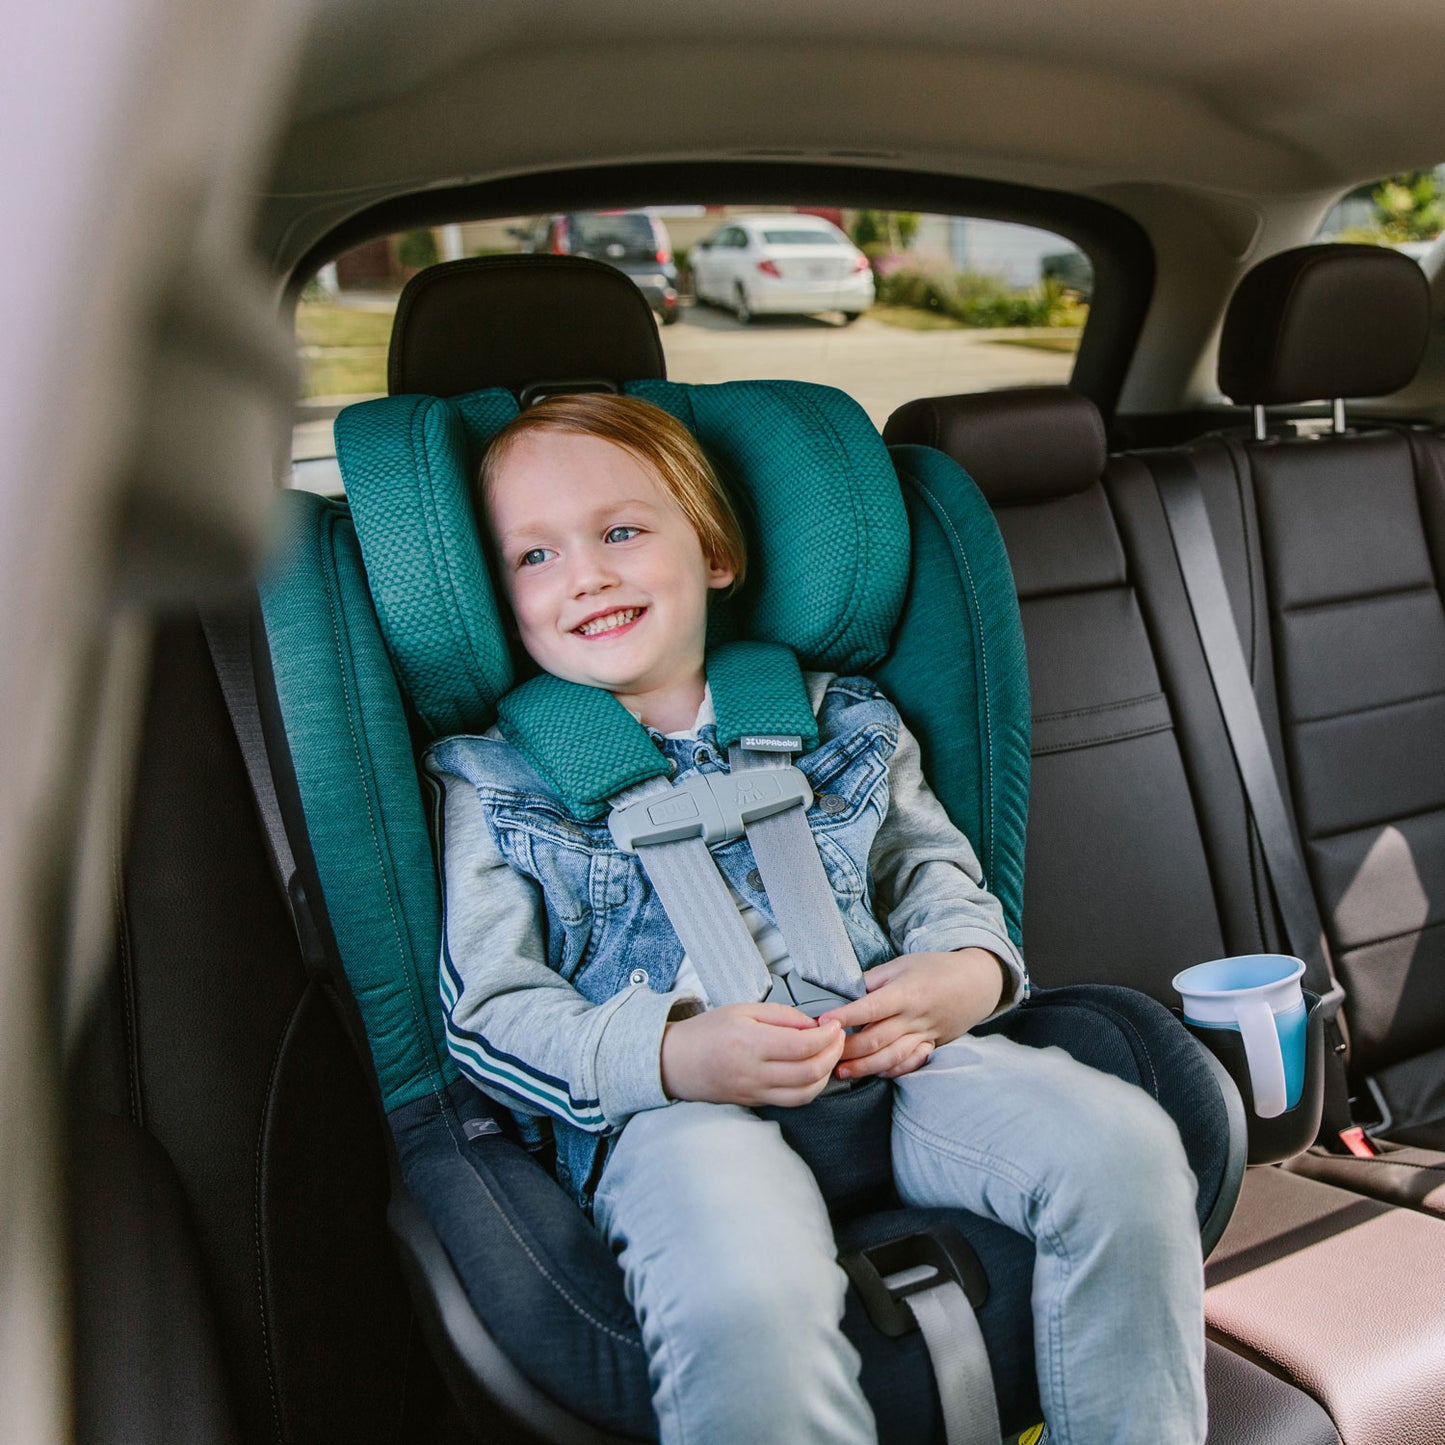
x: 716, y: 807
x: 885, y: 1275
x: 1359, y: 1143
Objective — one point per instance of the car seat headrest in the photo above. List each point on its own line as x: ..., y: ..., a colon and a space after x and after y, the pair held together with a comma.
x: 519, y: 321
x: 1320, y: 322
x: 827, y: 533
x: 1024, y: 444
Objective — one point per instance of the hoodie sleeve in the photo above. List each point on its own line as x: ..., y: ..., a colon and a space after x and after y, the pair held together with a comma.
x: 515, y: 1027
x: 928, y: 885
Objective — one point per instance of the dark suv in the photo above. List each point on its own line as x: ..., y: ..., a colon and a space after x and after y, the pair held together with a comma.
x: 632, y: 241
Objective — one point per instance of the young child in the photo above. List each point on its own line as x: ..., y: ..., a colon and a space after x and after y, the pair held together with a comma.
x: 568, y: 998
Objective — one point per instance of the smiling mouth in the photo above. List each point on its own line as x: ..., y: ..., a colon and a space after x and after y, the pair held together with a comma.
x: 612, y: 622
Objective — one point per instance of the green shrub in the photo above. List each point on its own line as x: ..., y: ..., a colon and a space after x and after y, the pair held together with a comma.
x: 886, y: 230
x: 978, y: 300
x: 416, y: 250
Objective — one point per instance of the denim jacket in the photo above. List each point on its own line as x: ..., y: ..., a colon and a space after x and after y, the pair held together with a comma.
x: 559, y: 963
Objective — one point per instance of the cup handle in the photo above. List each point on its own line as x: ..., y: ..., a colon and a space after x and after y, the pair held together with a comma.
x: 1266, y: 1060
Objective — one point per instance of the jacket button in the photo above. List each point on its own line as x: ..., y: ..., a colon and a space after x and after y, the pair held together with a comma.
x: 832, y: 803
x: 638, y: 975
x: 755, y: 880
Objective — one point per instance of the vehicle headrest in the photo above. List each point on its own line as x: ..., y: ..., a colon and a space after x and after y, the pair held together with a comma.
x: 1320, y: 322
x: 827, y: 532
x: 1025, y: 444
x: 519, y: 321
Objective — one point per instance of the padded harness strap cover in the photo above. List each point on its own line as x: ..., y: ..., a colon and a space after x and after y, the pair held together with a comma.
x: 581, y: 739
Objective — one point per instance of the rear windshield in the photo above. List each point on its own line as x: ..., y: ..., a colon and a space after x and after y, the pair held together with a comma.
x: 948, y: 304
x: 633, y: 231
x: 801, y: 238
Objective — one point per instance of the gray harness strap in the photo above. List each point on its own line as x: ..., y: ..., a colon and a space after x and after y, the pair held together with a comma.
x: 697, y: 902
x: 669, y: 827
x: 798, y: 889
x: 961, y: 1369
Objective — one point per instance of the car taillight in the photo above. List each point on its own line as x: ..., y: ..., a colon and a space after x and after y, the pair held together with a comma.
x: 559, y: 238
x: 861, y: 264
x: 663, y: 255
x: 770, y: 268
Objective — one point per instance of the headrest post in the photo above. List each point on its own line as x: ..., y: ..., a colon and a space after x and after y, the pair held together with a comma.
x: 1339, y: 416
x: 1261, y: 424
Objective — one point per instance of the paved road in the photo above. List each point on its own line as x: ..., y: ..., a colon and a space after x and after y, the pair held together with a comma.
x: 881, y: 366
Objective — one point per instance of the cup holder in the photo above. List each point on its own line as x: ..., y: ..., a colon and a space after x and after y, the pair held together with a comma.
x: 1290, y: 1133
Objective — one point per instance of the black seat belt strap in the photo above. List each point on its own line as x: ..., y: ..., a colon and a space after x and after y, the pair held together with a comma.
x: 229, y: 637
x: 1199, y: 565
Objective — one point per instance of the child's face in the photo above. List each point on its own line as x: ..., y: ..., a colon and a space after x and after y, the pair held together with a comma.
x: 606, y: 577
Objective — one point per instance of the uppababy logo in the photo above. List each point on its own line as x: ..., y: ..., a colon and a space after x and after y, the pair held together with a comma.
x: 771, y: 743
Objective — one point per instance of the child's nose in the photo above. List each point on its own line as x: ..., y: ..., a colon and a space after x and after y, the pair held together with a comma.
x: 592, y: 570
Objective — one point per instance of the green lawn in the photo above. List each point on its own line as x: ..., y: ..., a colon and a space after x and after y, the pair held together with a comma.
x: 342, y: 349
x: 913, y: 318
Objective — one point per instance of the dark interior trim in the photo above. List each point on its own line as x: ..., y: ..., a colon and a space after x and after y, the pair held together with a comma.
x: 1118, y: 248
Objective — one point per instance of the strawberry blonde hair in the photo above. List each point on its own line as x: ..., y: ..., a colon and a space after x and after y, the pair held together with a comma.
x: 659, y: 441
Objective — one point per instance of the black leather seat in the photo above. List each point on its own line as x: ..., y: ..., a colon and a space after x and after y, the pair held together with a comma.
x: 1351, y: 535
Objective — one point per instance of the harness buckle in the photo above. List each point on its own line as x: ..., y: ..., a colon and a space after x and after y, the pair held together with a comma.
x: 886, y: 1274
x: 716, y: 807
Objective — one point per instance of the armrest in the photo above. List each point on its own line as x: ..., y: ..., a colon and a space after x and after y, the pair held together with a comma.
x: 1341, y: 1296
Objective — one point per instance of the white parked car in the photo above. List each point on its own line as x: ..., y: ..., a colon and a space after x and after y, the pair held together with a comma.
x: 782, y: 264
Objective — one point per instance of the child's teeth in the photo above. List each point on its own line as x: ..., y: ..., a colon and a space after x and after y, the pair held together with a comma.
x: 606, y: 624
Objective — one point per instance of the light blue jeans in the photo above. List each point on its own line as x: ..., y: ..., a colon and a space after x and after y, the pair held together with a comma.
x: 730, y: 1262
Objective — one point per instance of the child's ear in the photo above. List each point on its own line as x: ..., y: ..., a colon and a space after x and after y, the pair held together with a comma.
x: 720, y: 575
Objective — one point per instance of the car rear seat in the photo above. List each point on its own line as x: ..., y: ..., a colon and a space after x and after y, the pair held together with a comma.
x: 1082, y: 548
x: 1352, y: 541
x: 227, y: 1050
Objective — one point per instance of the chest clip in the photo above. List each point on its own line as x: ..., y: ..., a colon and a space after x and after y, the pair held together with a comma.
x: 716, y: 807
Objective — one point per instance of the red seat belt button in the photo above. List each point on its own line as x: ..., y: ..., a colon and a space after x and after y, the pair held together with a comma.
x: 1358, y: 1143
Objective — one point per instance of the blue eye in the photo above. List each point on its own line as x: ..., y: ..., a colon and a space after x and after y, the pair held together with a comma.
x: 535, y: 557
x: 621, y: 534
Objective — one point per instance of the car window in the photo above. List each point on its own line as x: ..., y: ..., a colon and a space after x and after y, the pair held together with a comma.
x: 597, y: 232
x: 1405, y: 211
x: 941, y: 304
x: 776, y: 237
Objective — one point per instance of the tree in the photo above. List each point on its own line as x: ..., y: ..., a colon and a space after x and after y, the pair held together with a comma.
x: 1410, y: 206
x: 893, y: 230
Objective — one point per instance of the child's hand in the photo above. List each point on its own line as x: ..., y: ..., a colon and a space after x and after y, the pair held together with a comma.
x: 749, y: 1053
x: 915, y: 1003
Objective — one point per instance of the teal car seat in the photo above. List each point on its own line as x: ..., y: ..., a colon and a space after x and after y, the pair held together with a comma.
x: 384, y: 635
